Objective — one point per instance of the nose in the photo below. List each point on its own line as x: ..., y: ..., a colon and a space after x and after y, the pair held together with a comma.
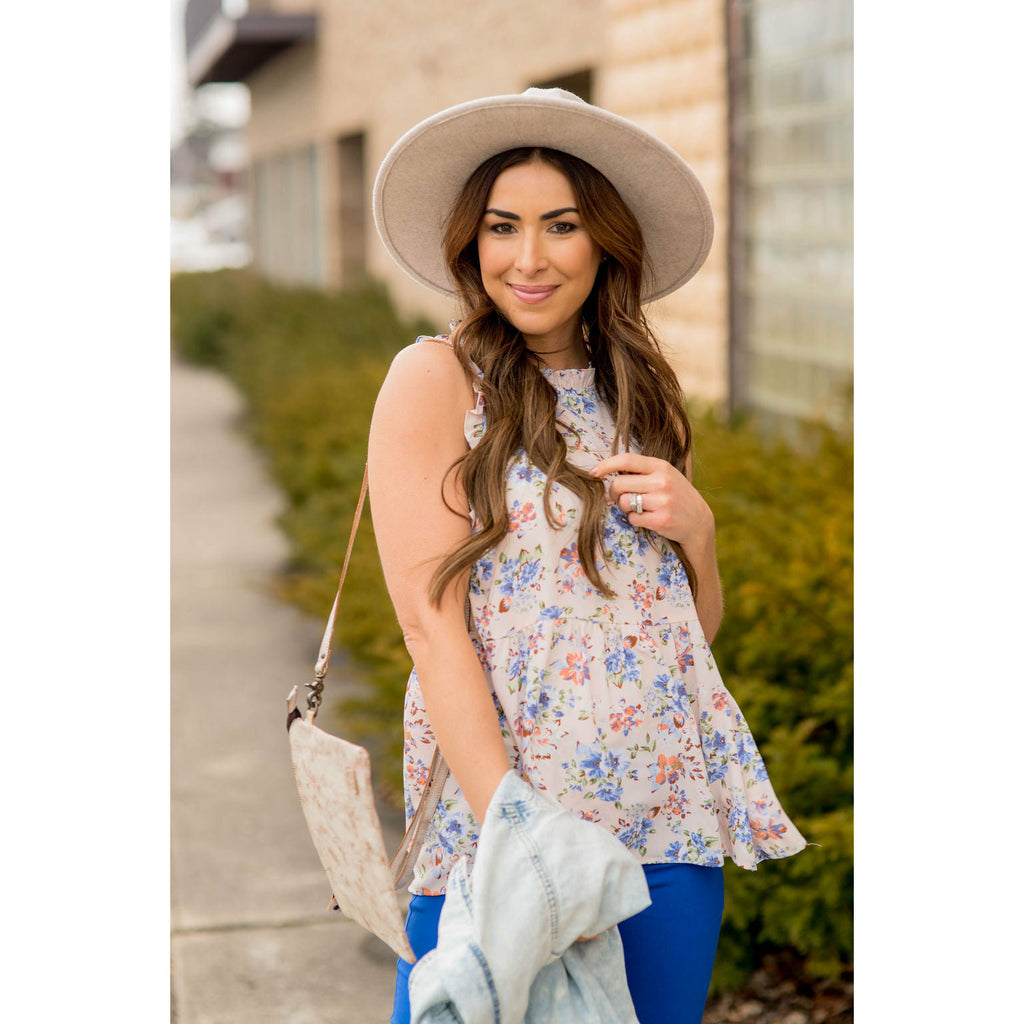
x: 531, y: 255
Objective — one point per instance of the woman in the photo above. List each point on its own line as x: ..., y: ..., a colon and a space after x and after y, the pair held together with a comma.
x: 530, y: 474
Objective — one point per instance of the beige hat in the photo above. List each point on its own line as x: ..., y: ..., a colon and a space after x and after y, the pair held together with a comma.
x: 421, y: 178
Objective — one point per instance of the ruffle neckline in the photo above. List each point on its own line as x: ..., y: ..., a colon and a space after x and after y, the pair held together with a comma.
x: 569, y: 380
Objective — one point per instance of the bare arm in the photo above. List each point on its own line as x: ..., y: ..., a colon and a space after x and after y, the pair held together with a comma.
x: 701, y: 552
x: 415, y: 435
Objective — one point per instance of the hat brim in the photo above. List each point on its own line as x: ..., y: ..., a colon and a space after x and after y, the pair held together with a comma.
x: 422, y: 176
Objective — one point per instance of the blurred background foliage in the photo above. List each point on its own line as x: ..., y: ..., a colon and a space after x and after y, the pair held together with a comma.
x: 310, y: 363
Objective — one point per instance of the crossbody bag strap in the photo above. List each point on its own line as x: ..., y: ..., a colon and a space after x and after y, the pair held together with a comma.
x: 402, y: 862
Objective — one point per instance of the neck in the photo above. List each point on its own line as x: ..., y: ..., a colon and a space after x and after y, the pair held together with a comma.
x: 573, y: 356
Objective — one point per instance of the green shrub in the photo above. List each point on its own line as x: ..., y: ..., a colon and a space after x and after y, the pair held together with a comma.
x: 784, y: 518
x: 310, y: 365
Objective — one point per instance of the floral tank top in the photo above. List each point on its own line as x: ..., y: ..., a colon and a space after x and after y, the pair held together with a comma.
x: 613, y: 707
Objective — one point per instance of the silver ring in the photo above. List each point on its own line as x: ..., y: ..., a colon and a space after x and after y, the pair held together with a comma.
x: 636, y: 503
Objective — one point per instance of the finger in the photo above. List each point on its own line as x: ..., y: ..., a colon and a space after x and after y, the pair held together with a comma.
x: 648, y: 502
x: 625, y: 462
x: 652, y: 501
x: 628, y: 483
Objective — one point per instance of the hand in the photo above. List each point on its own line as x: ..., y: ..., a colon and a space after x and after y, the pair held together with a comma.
x: 672, y: 506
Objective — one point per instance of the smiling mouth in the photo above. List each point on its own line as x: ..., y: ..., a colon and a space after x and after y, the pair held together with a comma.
x: 533, y: 292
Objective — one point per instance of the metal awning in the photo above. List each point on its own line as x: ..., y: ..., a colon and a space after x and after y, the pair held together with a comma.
x: 231, y: 49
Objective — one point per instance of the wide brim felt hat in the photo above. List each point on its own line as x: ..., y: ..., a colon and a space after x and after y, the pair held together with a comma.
x: 422, y: 176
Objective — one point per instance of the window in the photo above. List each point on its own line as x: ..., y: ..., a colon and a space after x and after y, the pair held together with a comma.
x: 288, y: 227
x: 791, y: 170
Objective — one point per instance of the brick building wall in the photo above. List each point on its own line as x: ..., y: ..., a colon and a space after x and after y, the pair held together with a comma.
x: 665, y: 69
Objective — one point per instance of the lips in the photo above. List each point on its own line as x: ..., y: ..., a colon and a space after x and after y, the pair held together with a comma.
x: 532, y: 293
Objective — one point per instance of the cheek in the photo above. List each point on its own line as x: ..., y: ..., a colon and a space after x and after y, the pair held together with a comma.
x: 490, y: 269
x: 489, y: 256
x: 588, y: 262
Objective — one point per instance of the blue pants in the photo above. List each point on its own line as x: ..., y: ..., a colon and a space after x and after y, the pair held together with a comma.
x: 669, y: 947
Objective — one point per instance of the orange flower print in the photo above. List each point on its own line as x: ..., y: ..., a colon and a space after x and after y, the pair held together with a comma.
x: 667, y: 769
x: 577, y: 669
x: 676, y: 805
x: 720, y: 700
x: 520, y: 515
x: 569, y: 568
x: 773, y: 830
x: 642, y: 596
x: 685, y: 658
x: 624, y: 718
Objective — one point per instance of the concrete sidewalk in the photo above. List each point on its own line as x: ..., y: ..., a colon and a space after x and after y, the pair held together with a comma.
x: 252, y: 940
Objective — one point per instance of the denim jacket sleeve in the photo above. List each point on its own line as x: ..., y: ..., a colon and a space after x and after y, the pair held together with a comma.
x: 507, y: 949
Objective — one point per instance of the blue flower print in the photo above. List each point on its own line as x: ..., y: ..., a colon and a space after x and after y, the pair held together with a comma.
x: 739, y: 824
x: 666, y: 687
x: 451, y: 833
x: 621, y: 665
x: 745, y: 749
x: 590, y: 761
x: 517, y: 577
x: 579, y: 402
x: 617, y: 522
x: 600, y: 765
x: 609, y: 790
x: 481, y: 573
x: 673, y: 584
x: 618, y: 542
x: 522, y: 471
x: 636, y: 827
x: 671, y: 704
x: 518, y: 661
x: 534, y: 708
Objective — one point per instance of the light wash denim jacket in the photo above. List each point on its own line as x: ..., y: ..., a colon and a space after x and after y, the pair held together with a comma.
x: 507, y: 950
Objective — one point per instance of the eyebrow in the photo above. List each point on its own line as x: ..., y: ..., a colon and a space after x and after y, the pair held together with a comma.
x: 544, y: 216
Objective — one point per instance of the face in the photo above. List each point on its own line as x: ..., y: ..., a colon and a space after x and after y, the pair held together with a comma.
x: 537, y: 261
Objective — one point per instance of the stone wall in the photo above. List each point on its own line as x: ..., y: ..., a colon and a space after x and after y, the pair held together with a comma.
x: 665, y: 69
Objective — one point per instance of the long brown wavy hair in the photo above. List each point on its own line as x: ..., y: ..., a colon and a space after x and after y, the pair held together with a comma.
x: 632, y: 375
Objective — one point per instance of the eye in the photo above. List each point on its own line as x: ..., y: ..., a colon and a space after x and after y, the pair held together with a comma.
x: 501, y: 228
x: 564, y: 227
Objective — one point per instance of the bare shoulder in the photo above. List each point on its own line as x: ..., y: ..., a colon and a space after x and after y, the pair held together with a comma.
x: 423, y: 401
x: 427, y: 374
